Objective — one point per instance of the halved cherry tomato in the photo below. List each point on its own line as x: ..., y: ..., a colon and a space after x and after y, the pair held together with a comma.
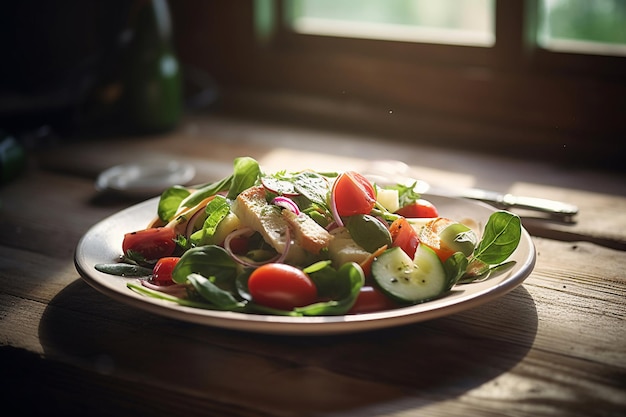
x: 162, y: 271
x: 370, y: 300
x: 419, y: 208
x: 404, y: 236
x: 281, y: 286
x: 153, y: 243
x: 353, y: 194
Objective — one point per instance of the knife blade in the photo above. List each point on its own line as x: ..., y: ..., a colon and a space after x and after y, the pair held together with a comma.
x: 508, y: 201
x: 499, y: 200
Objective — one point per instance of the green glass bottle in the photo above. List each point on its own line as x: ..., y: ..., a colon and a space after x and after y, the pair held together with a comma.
x: 152, y: 92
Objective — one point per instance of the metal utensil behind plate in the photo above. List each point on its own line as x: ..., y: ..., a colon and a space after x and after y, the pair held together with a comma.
x: 145, y: 178
x: 390, y: 171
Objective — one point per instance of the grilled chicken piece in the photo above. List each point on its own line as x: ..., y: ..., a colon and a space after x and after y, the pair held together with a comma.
x: 307, y: 233
x: 254, y: 211
x: 343, y: 248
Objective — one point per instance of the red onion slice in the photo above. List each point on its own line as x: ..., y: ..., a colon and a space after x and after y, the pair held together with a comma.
x: 177, y: 290
x: 192, y: 222
x: 246, y: 231
x: 333, y: 207
x: 286, y: 203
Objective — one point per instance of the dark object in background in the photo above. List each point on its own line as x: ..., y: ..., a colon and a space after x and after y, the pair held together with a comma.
x: 12, y: 157
x: 78, y: 64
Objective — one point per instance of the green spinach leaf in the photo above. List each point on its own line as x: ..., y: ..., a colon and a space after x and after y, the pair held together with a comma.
x: 168, y: 297
x: 124, y: 269
x: 246, y: 172
x: 324, y: 276
x: 169, y: 202
x: 455, y: 267
x: 216, y: 210
x: 210, y: 261
x: 352, y: 276
x: 213, y: 294
x: 500, y: 238
x: 313, y: 186
x: 368, y: 232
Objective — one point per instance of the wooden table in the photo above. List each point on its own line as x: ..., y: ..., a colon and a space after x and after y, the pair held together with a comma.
x: 556, y: 345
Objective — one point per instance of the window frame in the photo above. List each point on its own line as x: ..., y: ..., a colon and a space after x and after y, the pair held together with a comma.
x: 516, y: 44
x: 514, y: 95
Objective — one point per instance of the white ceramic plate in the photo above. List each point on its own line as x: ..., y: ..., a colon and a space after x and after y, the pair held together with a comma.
x: 102, y: 244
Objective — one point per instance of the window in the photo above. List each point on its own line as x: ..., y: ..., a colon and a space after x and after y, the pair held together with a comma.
x: 594, y: 27
x: 507, y: 75
x: 463, y: 22
x: 582, y: 26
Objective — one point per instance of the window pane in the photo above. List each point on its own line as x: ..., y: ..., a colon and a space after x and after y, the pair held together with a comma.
x: 596, y: 27
x: 464, y: 22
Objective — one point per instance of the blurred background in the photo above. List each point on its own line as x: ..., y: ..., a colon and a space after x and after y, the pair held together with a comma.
x: 541, y: 79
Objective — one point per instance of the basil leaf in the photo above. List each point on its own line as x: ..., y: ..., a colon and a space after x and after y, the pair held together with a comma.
x: 170, y: 200
x: 480, y: 271
x: 500, y: 238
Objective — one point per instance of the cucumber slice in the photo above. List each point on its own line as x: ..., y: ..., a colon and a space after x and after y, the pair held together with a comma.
x: 410, y: 280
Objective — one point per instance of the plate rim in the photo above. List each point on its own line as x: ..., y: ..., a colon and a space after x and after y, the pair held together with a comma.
x: 286, y: 325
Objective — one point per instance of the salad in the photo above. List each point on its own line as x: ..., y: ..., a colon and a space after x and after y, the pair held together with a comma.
x: 307, y: 243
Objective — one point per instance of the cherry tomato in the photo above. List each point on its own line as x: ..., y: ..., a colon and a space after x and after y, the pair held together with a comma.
x: 419, y: 208
x: 370, y: 300
x: 404, y: 236
x: 162, y: 271
x: 153, y: 243
x: 281, y: 286
x: 353, y: 194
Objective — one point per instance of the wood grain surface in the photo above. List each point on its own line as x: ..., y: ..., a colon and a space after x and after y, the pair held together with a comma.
x: 554, y: 346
